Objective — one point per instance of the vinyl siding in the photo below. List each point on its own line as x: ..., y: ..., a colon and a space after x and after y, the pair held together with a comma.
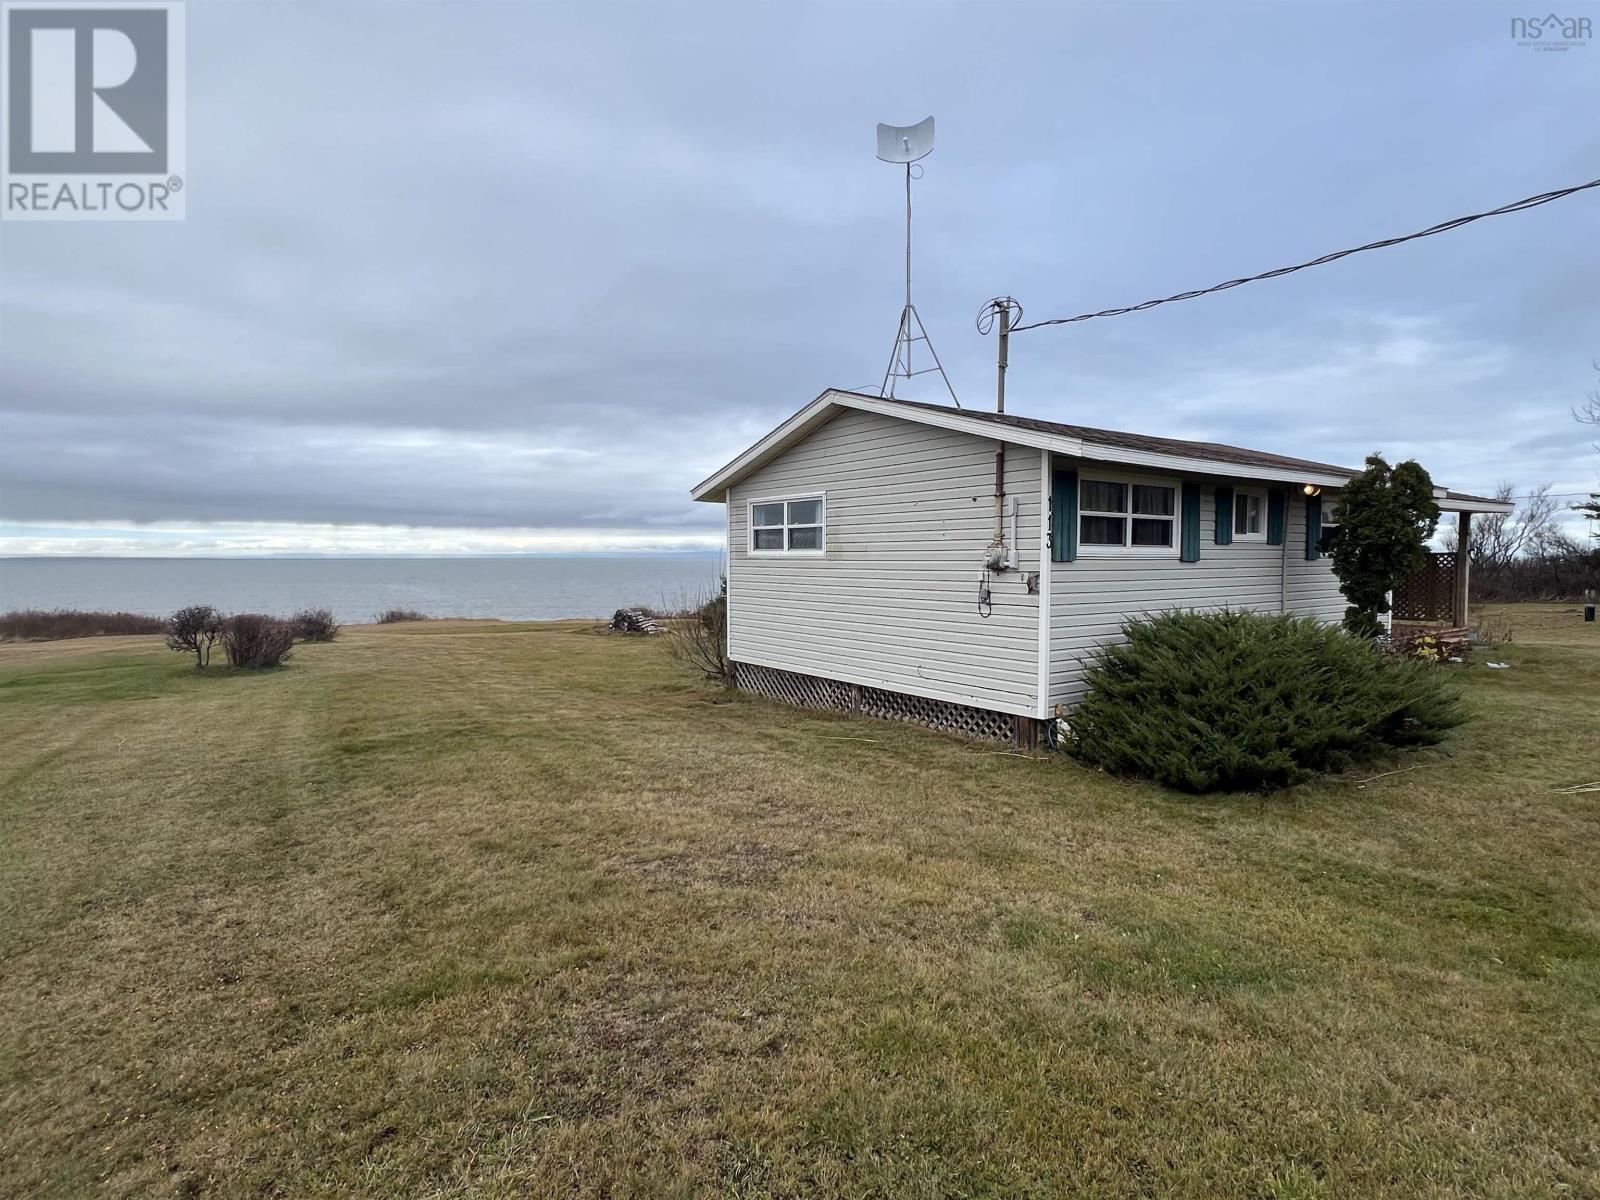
x: 1313, y: 587
x: 893, y: 601
x: 1091, y: 598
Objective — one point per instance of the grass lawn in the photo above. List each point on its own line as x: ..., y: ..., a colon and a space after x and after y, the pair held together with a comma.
x: 463, y: 909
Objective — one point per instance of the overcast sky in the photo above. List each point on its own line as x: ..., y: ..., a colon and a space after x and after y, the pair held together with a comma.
x: 497, y: 276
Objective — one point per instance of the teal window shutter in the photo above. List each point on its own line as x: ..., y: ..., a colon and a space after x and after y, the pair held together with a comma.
x: 1189, y: 536
x: 1275, y: 514
x: 1224, y: 497
x: 1313, y: 528
x: 1063, y: 515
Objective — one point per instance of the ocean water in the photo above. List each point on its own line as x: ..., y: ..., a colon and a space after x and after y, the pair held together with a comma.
x: 518, y: 589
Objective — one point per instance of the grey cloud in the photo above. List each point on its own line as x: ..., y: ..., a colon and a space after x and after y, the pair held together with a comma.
x: 546, y: 266
x: 57, y: 468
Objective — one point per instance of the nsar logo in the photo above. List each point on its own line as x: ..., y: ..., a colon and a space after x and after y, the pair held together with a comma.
x: 1551, y: 32
x: 93, y: 111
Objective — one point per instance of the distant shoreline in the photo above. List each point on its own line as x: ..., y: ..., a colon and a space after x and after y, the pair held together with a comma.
x: 530, y: 587
x: 539, y: 555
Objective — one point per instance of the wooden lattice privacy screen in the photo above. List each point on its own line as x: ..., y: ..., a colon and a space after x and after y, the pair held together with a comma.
x: 1430, y: 594
x: 811, y: 691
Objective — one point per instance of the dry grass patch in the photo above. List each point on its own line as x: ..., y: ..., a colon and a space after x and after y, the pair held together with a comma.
x: 493, y: 910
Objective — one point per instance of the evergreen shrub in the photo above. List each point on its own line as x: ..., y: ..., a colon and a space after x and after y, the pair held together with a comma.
x: 1235, y: 701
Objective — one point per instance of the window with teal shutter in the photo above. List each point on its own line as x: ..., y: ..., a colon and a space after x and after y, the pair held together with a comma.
x: 1063, y: 515
x: 1189, y: 535
x: 1275, y: 515
x: 1224, y: 534
x: 1313, y: 528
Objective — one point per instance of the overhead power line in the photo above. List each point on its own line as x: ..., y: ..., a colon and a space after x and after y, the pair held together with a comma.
x: 1442, y: 227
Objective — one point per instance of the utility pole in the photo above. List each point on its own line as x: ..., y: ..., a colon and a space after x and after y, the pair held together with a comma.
x: 1008, y: 312
x: 1005, y: 352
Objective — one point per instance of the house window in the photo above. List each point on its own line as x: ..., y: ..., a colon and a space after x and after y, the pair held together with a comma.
x: 1127, y: 514
x: 1330, y: 526
x: 1249, y: 516
x: 787, y: 526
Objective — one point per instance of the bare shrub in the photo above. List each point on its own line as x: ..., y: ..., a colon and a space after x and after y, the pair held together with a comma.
x: 394, y: 616
x: 700, y: 639
x: 1492, y: 631
x: 194, y: 630
x: 254, y: 642
x: 315, y: 625
x: 679, y: 609
x: 39, y: 625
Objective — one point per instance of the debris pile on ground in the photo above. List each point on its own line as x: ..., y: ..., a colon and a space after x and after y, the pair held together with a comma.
x: 633, y: 620
x: 1431, y: 643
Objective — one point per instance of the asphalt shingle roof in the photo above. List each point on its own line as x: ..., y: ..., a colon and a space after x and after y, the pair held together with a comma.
x: 1216, y: 451
x: 1088, y: 434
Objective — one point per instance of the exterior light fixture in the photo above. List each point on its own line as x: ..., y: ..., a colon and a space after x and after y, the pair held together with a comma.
x: 1312, y: 489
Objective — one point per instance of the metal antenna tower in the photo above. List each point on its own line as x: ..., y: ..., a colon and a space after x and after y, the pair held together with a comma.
x: 906, y: 144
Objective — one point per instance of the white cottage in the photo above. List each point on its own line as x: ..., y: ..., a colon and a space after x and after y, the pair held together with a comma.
x: 959, y: 568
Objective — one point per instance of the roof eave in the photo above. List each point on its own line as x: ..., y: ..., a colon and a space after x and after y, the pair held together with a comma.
x: 1184, y: 464
x: 714, y: 488
x: 1475, y: 504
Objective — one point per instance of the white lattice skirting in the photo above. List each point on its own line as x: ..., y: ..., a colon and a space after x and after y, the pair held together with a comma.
x: 812, y: 691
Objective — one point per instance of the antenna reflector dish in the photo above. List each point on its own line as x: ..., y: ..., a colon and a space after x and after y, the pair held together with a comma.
x: 905, y: 143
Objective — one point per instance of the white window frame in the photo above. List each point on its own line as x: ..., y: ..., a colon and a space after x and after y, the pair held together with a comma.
x: 820, y: 524
x: 1086, y: 550
x: 1261, y: 495
x: 1330, y: 505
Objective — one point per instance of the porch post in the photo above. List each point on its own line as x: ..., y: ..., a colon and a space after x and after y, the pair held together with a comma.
x: 1458, y: 615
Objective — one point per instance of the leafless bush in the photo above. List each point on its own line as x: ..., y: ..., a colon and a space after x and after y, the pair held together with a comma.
x: 685, y: 602
x: 394, y: 616
x: 315, y: 625
x: 253, y: 641
x: 679, y: 608
x: 38, y: 625
x: 700, y: 639
x: 194, y: 630
x: 1492, y: 631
